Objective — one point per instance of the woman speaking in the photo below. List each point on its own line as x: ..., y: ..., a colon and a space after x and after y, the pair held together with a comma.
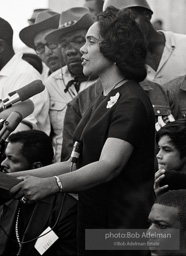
x: 115, y: 170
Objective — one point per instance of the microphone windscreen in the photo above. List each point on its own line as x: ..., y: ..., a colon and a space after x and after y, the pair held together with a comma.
x: 12, y: 122
x: 30, y: 90
x: 23, y: 108
x: 9, y: 126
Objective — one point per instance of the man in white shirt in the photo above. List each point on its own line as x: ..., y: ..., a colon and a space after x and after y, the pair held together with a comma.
x: 15, y: 73
x: 33, y: 36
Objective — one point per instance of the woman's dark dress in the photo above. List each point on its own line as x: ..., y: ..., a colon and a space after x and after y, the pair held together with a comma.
x: 125, y: 201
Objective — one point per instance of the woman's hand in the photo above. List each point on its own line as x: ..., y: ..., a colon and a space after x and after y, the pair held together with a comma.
x: 159, y: 175
x: 34, y: 188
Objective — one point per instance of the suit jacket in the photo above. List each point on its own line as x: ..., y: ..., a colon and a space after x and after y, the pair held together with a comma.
x: 45, y: 213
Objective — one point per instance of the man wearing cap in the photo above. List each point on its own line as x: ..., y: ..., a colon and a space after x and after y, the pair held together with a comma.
x: 64, y: 84
x: 166, y: 50
x: 34, y: 37
x: 15, y: 73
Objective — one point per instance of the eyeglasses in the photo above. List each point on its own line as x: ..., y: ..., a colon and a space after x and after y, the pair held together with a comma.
x: 40, y: 48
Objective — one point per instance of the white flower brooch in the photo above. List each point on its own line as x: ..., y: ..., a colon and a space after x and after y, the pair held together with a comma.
x: 113, y: 100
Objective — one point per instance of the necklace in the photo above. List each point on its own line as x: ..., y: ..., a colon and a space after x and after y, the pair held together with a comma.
x: 16, y: 227
x: 122, y: 80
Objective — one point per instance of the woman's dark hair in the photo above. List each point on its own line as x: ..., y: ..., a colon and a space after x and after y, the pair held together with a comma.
x: 123, y: 42
x: 177, y: 132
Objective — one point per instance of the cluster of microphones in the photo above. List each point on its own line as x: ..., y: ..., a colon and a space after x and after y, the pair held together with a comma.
x: 16, y: 107
x: 13, y: 110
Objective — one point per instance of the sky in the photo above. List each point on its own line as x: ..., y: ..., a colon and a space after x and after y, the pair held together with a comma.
x: 17, y: 12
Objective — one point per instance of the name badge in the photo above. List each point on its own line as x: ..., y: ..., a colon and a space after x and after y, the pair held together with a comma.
x: 48, y: 237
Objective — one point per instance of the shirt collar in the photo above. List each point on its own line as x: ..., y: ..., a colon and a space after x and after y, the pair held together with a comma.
x: 170, y: 41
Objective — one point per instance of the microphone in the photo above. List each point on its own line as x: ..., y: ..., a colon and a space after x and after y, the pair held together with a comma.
x: 15, y: 115
x: 9, y: 120
x: 76, y: 152
x: 9, y: 125
x: 22, y: 94
x: 24, y: 108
